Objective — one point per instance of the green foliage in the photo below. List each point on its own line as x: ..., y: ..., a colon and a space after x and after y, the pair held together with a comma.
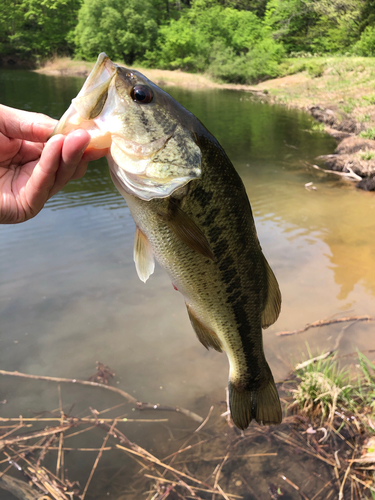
x: 318, y: 127
x: 231, y: 45
x: 366, y: 44
x: 370, y: 99
x: 367, y: 155
x: 364, y: 393
x: 124, y: 29
x: 364, y: 118
x: 257, y: 6
x: 315, y: 69
x: 241, y: 41
x: 308, y: 25
x: 322, y: 384
x: 368, y: 134
x: 37, y: 27
x: 349, y: 105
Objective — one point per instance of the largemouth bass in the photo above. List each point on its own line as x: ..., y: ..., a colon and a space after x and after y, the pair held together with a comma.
x: 193, y: 215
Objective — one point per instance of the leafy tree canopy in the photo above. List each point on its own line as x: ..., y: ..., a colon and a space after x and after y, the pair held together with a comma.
x: 37, y: 27
x: 124, y: 29
x: 208, y: 36
x: 314, y: 26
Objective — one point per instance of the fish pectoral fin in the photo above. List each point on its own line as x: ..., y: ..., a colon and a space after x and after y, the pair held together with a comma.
x: 187, y: 230
x: 143, y: 256
x: 272, y: 308
x: 205, y: 335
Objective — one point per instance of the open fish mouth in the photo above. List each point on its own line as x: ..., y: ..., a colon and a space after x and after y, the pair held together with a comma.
x: 89, y: 103
x: 151, y: 153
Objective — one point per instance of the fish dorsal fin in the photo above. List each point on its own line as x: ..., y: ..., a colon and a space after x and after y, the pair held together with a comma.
x: 187, y: 230
x: 205, y: 335
x: 143, y: 256
x: 271, y: 310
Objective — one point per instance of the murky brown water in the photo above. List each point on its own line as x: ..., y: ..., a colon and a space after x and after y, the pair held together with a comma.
x: 69, y: 293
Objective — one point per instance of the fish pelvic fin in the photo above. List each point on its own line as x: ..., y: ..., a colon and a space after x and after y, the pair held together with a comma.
x: 262, y: 405
x: 205, y: 335
x: 143, y: 256
x: 272, y: 308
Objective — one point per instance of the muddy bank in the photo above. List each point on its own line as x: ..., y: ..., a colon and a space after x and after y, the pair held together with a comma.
x: 354, y: 155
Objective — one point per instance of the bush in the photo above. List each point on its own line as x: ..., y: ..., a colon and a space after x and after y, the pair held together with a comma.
x: 257, y: 64
x: 315, y: 69
x: 231, y: 45
x: 366, y: 44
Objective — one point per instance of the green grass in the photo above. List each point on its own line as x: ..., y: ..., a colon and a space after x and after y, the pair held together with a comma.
x: 322, y: 385
x: 370, y: 99
x: 368, y: 134
x: 367, y: 155
x: 349, y: 105
x: 365, y: 390
x: 364, y: 118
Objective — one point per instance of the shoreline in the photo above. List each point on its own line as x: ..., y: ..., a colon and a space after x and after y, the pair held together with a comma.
x: 340, y: 98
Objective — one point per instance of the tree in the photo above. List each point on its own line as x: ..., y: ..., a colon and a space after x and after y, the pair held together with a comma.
x: 37, y: 27
x: 314, y: 26
x: 124, y: 29
x: 231, y: 44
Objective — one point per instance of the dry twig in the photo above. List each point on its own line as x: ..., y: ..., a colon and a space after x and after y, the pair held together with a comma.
x: 325, y: 322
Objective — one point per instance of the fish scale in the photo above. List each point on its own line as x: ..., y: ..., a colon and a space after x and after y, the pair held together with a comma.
x: 193, y: 215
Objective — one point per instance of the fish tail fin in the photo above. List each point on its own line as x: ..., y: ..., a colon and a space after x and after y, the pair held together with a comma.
x: 262, y: 405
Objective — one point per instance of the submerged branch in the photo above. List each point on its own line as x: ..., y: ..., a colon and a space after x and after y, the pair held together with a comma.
x: 131, y: 399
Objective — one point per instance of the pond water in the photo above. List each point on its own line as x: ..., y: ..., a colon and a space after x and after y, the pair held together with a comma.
x: 69, y: 293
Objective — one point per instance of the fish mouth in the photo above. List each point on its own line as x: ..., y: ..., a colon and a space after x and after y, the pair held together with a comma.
x: 152, y: 169
x: 89, y: 103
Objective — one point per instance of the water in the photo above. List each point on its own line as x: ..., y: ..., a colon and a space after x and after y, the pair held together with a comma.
x: 69, y: 293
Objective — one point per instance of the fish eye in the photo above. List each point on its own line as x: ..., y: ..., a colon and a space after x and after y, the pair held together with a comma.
x: 141, y: 94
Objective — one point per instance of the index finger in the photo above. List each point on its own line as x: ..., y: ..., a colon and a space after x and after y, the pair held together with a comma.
x: 18, y: 124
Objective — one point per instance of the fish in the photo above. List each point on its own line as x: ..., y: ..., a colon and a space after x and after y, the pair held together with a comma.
x: 193, y: 216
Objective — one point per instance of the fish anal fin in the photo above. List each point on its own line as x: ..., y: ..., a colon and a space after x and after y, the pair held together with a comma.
x: 205, y: 335
x: 272, y: 308
x: 187, y: 230
x: 262, y: 405
x: 143, y: 256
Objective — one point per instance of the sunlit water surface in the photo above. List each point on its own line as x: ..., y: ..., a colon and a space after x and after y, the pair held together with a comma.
x: 69, y: 293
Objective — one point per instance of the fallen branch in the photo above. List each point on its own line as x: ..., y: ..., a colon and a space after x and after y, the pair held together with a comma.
x: 348, y: 175
x: 138, y: 404
x: 26, y: 437
x: 324, y: 322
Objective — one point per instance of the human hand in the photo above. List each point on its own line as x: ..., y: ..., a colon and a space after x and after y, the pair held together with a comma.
x: 33, y: 167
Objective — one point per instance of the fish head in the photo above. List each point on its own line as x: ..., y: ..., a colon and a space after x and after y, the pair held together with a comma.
x: 150, y: 136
